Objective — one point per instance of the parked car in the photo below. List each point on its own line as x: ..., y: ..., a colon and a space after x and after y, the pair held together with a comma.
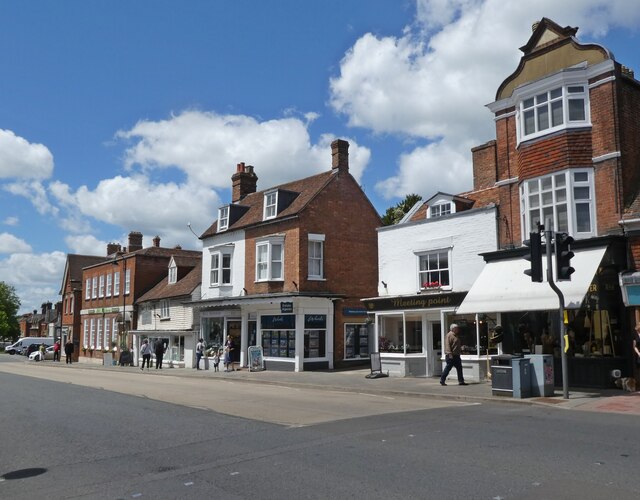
x: 23, y: 344
x: 37, y: 355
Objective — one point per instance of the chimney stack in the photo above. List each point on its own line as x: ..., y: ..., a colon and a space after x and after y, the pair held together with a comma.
x: 156, y: 241
x: 340, y: 155
x: 135, y: 241
x: 243, y: 182
x: 113, y: 248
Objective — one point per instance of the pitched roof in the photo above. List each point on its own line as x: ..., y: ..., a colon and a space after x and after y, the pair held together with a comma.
x: 185, y: 286
x: 73, y: 268
x: 307, y: 189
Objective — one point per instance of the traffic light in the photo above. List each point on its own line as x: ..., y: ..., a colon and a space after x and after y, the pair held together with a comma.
x: 535, y: 256
x: 563, y: 257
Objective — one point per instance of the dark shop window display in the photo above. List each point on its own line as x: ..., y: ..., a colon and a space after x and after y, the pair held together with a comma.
x: 315, y: 334
x: 400, y: 334
x: 475, y: 336
x: 278, y: 335
x: 356, y: 341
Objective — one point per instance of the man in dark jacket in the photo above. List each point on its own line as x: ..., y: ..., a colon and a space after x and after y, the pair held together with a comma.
x: 68, y: 351
x: 159, y: 348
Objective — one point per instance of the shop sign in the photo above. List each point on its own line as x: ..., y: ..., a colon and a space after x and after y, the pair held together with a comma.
x: 278, y: 322
x: 315, y: 320
x: 286, y: 307
x: 354, y: 311
x: 416, y: 302
x: 255, y: 358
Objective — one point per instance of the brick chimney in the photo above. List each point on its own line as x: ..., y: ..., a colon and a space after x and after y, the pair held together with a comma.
x: 156, y: 241
x: 340, y: 155
x: 113, y: 248
x: 135, y: 241
x: 243, y: 182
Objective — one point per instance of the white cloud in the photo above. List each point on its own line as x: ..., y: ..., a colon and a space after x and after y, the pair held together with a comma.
x: 20, y: 159
x: 12, y: 244
x: 206, y: 146
x: 36, y: 277
x: 11, y: 221
x: 35, y: 192
x: 86, y: 244
x: 431, y: 82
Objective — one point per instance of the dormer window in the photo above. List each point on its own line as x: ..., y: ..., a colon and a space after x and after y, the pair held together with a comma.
x: 270, y: 205
x: 173, y: 274
x: 440, y: 209
x: 223, y: 218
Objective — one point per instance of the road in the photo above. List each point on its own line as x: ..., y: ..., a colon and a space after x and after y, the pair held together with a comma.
x: 94, y: 434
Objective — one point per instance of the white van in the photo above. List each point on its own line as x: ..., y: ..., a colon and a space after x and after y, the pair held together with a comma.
x: 21, y: 346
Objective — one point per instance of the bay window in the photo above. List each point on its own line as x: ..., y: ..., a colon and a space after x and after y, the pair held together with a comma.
x: 565, y: 198
x: 562, y: 106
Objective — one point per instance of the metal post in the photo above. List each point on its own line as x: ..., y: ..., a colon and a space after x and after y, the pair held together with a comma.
x: 548, y: 235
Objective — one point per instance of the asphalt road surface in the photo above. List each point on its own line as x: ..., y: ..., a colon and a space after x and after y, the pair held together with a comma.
x: 94, y: 434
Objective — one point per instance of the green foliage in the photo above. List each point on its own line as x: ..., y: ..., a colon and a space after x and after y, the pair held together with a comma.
x: 394, y: 214
x: 9, y: 305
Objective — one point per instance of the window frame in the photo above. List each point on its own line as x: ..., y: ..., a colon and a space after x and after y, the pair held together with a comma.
x: 219, y: 274
x: 269, y: 263
x: 127, y: 282
x: 546, y: 87
x: 270, y: 206
x: 422, y: 281
x: 101, y: 286
x: 94, y: 287
x: 571, y: 201
x: 109, y: 285
x: 116, y: 283
x: 223, y: 218
x: 87, y: 293
x: 438, y: 207
x: 173, y: 274
x: 315, y: 239
x: 165, y: 309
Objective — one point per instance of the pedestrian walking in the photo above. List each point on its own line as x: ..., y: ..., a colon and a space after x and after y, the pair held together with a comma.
x: 43, y: 350
x: 452, y: 351
x: 56, y: 351
x: 68, y: 351
x: 159, y: 348
x: 145, y: 350
x: 199, y: 352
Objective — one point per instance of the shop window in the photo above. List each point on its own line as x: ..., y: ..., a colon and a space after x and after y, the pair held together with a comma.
x: 212, y: 332
x: 356, y: 341
x: 278, y: 335
x: 400, y: 334
x: 474, y: 332
x: 315, y: 335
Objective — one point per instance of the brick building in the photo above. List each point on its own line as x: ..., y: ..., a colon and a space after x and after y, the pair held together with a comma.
x: 566, y: 155
x: 71, y: 292
x: 285, y: 268
x: 111, y: 289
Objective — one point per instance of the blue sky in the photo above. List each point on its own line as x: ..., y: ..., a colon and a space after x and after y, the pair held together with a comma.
x: 120, y: 116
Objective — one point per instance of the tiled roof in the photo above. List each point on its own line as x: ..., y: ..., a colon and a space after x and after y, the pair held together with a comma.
x: 306, y: 188
x: 77, y: 262
x: 164, y: 290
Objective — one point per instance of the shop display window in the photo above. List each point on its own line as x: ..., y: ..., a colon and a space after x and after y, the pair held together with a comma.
x: 475, y: 333
x: 401, y: 334
x: 315, y: 336
x: 356, y: 340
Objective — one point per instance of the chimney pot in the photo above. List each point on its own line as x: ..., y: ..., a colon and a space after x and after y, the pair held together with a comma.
x: 135, y: 241
x: 156, y: 241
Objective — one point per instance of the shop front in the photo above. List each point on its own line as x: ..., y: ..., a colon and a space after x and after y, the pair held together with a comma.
x: 410, y: 334
x: 597, y: 333
x: 295, y: 333
x: 172, y: 341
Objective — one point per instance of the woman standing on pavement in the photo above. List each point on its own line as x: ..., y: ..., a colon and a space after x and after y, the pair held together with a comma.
x: 636, y: 351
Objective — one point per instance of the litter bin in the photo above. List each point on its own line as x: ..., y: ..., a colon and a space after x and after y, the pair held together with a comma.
x: 541, y: 374
x: 510, y: 376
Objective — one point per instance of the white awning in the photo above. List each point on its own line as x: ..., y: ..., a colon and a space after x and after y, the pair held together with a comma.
x: 503, y: 287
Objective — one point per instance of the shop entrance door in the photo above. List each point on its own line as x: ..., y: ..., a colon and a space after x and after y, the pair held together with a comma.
x: 233, y: 328
x: 435, y: 349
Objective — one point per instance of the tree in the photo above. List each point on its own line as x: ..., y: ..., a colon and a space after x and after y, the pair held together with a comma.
x: 394, y: 214
x: 9, y: 305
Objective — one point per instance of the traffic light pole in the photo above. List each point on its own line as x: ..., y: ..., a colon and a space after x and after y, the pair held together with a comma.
x: 548, y: 235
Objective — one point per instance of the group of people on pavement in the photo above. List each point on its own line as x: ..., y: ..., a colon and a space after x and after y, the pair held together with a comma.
x: 228, y: 355
x: 159, y: 348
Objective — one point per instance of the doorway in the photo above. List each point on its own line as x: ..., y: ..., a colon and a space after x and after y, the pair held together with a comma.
x: 435, y: 349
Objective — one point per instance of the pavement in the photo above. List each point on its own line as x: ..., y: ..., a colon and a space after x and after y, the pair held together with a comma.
x: 355, y: 381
